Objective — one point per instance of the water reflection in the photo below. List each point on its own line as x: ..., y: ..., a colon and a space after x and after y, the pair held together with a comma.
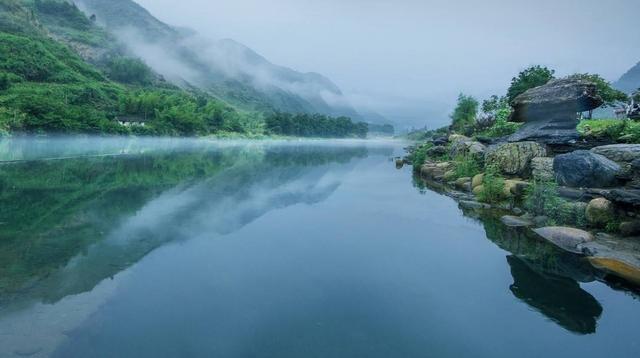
x: 545, y: 278
x: 68, y: 224
x: 559, y: 298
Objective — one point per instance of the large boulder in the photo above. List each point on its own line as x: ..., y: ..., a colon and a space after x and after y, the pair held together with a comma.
x: 584, y: 169
x: 621, y: 153
x: 566, y: 238
x: 550, y: 111
x: 515, y: 158
x: 600, y: 212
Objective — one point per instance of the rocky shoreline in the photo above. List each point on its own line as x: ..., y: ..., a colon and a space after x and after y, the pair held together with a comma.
x: 581, y: 196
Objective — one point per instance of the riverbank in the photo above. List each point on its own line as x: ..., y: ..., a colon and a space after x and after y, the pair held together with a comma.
x: 519, y: 181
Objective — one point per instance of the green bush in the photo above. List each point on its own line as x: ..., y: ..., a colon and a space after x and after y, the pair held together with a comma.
x: 466, y: 167
x: 493, y: 186
x: 542, y: 199
x: 502, y: 127
x: 626, y: 131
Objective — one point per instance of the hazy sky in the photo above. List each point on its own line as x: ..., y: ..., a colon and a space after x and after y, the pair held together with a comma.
x: 408, y: 59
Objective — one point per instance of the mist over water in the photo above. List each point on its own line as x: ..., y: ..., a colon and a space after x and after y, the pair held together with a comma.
x: 189, y: 247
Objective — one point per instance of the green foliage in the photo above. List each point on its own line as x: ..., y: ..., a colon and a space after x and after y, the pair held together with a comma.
x: 493, y: 186
x: 314, y: 125
x: 542, y: 199
x: 66, y: 13
x: 43, y: 60
x: 426, y: 134
x: 623, y: 131
x: 464, y: 114
x: 174, y: 112
x: 466, y: 167
x: 10, y: 121
x: 610, y: 95
x: 130, y: 70
x: 501, y: 127
x: 494, y: 104
x: 531, y: 77
x: 5, y: 82
x: 418, y: 156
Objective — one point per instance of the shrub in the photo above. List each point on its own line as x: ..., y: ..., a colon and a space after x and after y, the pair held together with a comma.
x: 616, y: 130
x: 542, y: 199
x: 502, y: 127
x: 419, y: 155
x: 466, y: 166
x: 493, y: 186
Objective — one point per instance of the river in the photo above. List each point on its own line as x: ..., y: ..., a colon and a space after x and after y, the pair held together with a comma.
x: 192, y: 248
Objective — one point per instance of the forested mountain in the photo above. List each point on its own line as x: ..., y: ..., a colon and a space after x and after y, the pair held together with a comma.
x: 224, y: 68
x: 68, y: 71
x: 630, y: 81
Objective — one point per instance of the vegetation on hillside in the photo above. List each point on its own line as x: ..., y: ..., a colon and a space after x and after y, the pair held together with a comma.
x: 47, y: 87
x: 305, y: 125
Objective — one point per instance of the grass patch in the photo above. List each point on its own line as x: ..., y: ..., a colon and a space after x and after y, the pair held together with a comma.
x: 623, y: 131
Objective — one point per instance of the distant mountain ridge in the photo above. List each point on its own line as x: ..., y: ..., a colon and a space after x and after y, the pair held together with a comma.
x: 630, y: 81
x: 224, y: 68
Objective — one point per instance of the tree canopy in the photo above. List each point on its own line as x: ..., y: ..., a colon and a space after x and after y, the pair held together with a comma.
x: 610, y: 95
x: 531, y: 77
x: 464, y: 114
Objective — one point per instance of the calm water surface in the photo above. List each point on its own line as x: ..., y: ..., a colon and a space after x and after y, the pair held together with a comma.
x: 184, y: 248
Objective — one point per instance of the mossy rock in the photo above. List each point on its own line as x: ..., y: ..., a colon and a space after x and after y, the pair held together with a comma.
x: 515, y: 158
x: 600, y: 212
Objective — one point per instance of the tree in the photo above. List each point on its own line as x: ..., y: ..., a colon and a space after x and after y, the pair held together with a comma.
x: 130, y: 71
x: 610, y: 95
x: 493, y: 104
x: 465, y: 113
x: 532, y: 77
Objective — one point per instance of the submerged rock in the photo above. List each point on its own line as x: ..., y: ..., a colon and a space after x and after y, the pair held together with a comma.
x: 549, y: 111
x: 566, y: 238
x: 515, y: 221
x: 515, y: 158
x: 584, y: 169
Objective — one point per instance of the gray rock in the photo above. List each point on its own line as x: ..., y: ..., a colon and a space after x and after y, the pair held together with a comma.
x: 566, y: 238
x: 542, y: 169
x: 584, y: 169
x: 515, y: 158
x: 437, y: 151
x: 468, y: 204
x: 624, y: 196
x: 630, y: 228
x: 622, y: 153
x: 515, y: 221
x: 549, y: 111
x: 600, y: 212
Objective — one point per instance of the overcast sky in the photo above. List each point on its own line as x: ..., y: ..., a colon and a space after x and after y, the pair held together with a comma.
x: 408, y: 59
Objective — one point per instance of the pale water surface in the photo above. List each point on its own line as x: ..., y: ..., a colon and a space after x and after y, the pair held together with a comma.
x: 194, y: 248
